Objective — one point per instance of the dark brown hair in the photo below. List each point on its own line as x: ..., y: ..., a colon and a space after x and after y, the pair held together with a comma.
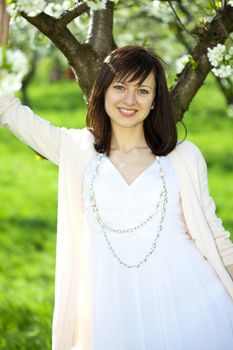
x: 133, y: 63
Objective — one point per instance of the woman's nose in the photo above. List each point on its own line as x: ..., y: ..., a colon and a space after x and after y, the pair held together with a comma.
x: 130, y: 97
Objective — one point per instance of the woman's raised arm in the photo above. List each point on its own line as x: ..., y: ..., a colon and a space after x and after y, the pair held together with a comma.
x: 36, y: 132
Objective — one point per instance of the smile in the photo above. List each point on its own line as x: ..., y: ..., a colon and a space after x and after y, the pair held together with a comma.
x: 127, y: 112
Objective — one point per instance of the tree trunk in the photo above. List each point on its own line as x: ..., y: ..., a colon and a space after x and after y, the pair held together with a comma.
x: 4, y: 23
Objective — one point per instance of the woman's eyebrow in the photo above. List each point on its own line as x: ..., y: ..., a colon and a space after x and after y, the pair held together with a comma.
x: 126, y: 82
x: 145, y: 86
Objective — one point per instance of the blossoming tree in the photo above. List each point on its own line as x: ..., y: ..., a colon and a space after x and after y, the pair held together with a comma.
x: 54, y: 20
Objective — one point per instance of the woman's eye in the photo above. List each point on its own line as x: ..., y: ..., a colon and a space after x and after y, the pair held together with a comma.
x: 143, y: 91
x: 119, y: 87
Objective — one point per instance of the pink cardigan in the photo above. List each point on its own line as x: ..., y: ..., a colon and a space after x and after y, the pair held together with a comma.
x: 71, y: 150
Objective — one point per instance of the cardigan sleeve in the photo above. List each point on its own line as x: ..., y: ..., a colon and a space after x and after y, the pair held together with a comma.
x: 221, y: 236
x: 36, y: 132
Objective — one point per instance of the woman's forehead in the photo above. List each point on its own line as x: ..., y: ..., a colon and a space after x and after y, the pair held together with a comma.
x: 130, y: 78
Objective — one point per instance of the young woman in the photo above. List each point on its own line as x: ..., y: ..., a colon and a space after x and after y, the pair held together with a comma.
x: 143, y: 262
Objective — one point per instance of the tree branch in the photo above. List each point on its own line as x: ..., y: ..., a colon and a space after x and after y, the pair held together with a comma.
x: 179, y: 21
x: 85, y: 58
x: 77, y: 54
x: 60, y: 36
x: 101, y: 26
x: 191, y: 79
x: 69, y: 15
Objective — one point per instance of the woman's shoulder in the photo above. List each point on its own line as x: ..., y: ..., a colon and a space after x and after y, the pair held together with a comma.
x: 187, y: 148
x: 188, y: 154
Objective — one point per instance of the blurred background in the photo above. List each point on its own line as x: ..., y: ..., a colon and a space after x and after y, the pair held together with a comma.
x: 28, y: 184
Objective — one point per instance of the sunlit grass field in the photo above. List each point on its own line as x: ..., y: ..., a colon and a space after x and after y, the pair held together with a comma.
x: 28, y: 196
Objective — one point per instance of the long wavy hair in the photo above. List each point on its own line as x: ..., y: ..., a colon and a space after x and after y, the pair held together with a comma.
x: 133, y: 63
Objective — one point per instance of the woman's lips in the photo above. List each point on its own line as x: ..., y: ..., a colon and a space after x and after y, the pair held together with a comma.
x: 127, y: 112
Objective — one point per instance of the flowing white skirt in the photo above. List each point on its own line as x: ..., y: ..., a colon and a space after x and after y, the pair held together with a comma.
x: 175, y: 301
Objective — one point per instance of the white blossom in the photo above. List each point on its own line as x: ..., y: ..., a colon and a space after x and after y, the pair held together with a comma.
x: 30, y: 7
x: 220, y: 58
x: 67, y: 4
x: 9, y: 83
x: 96, y: 5
x: 181, y: 62
x: 12, y: 70
x: 53, y: 9
x: 12, y: 10
x: 18, y: 62
x: 216, y: 54
x: 223, y: 71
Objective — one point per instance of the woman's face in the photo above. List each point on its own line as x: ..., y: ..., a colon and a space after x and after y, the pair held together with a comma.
x: 128, y: 103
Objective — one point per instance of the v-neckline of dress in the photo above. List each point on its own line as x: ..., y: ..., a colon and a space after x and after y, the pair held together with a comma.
x: 137, y: 178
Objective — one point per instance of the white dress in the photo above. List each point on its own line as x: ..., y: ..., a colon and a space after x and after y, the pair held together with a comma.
x: 174, y: 301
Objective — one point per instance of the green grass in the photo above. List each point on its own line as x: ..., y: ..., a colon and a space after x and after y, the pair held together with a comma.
x: 28, y: 192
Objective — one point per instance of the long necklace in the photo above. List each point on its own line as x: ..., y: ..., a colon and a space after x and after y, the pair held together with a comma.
x: 163, y: 199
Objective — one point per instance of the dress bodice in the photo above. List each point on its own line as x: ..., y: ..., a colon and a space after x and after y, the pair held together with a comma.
x: 122, y: 205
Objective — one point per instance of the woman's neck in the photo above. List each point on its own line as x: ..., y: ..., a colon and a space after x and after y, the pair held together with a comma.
x: 127, y: 139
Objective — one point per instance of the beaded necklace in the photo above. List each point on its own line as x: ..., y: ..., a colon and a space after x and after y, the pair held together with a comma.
x: 163, y: 199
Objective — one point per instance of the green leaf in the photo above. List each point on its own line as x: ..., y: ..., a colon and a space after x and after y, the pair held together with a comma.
x: 192, y: 61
